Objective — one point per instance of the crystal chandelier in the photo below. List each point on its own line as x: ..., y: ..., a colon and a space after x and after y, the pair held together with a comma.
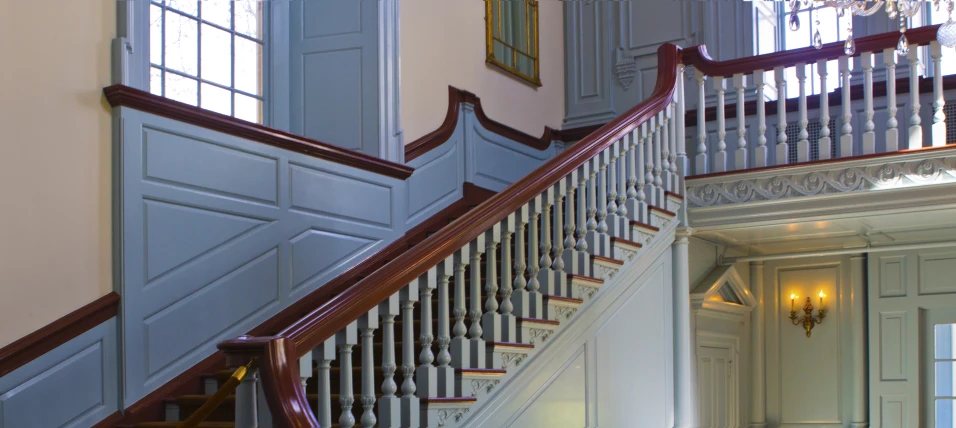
x: 902, y: 9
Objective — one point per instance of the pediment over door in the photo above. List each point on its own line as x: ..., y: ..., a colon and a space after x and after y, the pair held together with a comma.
x: 722, y: 293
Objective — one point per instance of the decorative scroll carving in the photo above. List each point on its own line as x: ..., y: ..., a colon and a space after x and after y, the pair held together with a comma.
x: 853, y: 179
x: 512, y: 359
x: 565, y: 312
x: 477, y: 385
x: 444, y: 415
x: 539, y: 335
x: 624, y: 70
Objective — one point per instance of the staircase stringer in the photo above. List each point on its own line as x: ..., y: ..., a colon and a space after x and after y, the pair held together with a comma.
x: 520, y: 387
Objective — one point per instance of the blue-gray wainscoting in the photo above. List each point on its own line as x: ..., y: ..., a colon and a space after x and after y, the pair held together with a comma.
x: 219, y: 233
x: 72, y: 386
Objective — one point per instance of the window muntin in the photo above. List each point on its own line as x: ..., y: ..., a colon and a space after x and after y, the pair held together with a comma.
x: 945, y: 377
x: 512, y: 37
x: 209, y: 53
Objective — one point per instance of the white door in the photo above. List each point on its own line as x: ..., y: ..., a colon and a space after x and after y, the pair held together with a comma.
x: 717, y: 386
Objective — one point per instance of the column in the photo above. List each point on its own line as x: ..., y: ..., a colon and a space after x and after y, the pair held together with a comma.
x: 860, y: 398
x: 758, y: 383
x: 686, y: 410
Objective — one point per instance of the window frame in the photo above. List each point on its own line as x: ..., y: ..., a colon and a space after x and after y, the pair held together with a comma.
x: 131, y: 52
x: 533, y: 41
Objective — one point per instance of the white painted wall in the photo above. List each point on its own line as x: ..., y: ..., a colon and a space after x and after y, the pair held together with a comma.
x: 55, y: 165
x: 443, y: 43
x: 612, y: 367
x: 909, y: 291
x: 811, y: 380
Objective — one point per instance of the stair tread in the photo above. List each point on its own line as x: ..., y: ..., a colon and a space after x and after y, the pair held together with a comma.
x: 563, y: 299
x: 538, y: 321
x: 626, y: 242
x: 510, y: 344
x: 663, y: 211
x: 482, y: 371
x: 669, y: 193
x: 572, y: 276
x: 644, y: 225
x: 606, y: 260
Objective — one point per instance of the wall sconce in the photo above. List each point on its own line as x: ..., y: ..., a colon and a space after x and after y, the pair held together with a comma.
x: 808, y: 320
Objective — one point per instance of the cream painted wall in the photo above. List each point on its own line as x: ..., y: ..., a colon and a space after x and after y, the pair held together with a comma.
x: 54, y: 160
x: 443, y: 43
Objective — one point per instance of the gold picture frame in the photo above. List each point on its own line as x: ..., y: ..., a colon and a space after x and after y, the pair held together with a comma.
x: 511, y: 38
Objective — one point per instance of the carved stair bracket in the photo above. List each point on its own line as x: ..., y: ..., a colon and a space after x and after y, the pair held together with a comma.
x: 448, y: 415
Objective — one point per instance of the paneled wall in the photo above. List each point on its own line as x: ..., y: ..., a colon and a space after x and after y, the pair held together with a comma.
x: 909, y: 292
x: 54, y: 161
x: 443, y: 43
x: 72, y: 386
x: 612, y: 367
x: 220, y: 233
x: 817, y: 380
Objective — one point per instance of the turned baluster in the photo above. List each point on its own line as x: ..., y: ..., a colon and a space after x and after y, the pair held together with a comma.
x: 916, y: 131
x: 846, y: 140
x: 643, y: 167
x: 409, y: 402
x: 740, y: 155
x: 247, y: 409
x: 611, y: 201
x: 345, y: 340
x: 476, y: 343
x: 783, y: 150
x: 445, y: 270
x: 658, y: 140
x: 869, y: 136
x: 459, y: 343
x: 720, y: 157
x: 824, y: 144
x: 624, y: 145
x: 426, y: 374
x: 700, y: 163
x: 760, y: 153
x: 803, y: 145
x: 673, y: 140
x: 324, y: 354
x: 368, y: 323
x: 892, y: 131
x: 389, y: 409
x: 582, y: 210
x: 938, y: 131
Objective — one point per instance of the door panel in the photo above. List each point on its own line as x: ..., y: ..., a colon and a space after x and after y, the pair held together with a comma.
x: 717, y: 387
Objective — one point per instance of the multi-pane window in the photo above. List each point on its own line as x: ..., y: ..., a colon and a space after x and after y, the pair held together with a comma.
x: 209, y: 53
x: 511, y: 31
x: 945, y: 361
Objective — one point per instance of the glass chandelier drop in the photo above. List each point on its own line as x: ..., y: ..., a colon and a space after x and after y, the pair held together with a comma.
x: 902, y: 9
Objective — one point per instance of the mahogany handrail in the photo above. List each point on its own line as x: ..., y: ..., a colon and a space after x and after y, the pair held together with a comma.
x: 282, y: 389
x: 700, y: 60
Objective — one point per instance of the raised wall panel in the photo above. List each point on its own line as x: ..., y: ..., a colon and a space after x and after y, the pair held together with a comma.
x: 204, y: 259
x: 893, y: 411
x: 334, y: 73
x: 562, y: 401
x: 937, y: 273
x: 892, y: 276
x: 495, y: 162
x: 210, y: 167
x: 893, y: 345
x: 437, y: 179
x: 71, y: 386
x: 587, y: 66
x: 321, y: 191
x: 812, y: 364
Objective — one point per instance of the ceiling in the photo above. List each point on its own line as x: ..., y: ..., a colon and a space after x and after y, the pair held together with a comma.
x: 918, y: 226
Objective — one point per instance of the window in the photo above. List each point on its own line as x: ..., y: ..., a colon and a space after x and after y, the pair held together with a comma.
x: 945, y: 377
x: 512, y: 37
x: 209, y: 53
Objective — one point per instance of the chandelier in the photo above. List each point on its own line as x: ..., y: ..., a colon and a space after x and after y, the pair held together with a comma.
x: 902, y: 9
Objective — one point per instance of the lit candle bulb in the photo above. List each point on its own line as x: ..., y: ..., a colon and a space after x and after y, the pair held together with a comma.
x: 792, y: 298
x: 821, y: 298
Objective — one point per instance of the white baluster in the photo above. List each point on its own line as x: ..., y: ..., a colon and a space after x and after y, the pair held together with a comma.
x: 345, y: 340
x: 939, y: 117
x: 571, y: 212
x: 892, y: 132
x: 602, y: 191
x: 426, y: 375
x: 247, y: 412
x: 679, y: 166
x: 533, y: 296
x: 389, y: 408
x: 460, y: 352
x: 560, y: 226
x: 611, y: 201
x: 324, y: 354
x: 508, y: 333
x: 672, y: 151
x: 666, y: 136
x: 491, y: 321
x: 846, y: 139
x: 582, y: 210
x: 410, y: 407
x: 633, y: 210
x: 477, y: 344
x: 720, y: 158
x: 803, y: 145
x: 445, y: 374
x: 368, y: 324
x: 916, y: 131
x: 701, y: 159
x: 783, y: 150
x: 659, y: 139
x: 869, y: 136
x: 625, y: 146
x: 644, y: 169
x: 592, y: 197
x: 760, y: 154
x: 824, y: 144
x: 740, y: 156
x: 544, y: 259
x: 305, y: 369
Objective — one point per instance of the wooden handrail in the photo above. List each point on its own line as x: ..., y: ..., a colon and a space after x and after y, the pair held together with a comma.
x: 700, y: 60
x: 278, y: 355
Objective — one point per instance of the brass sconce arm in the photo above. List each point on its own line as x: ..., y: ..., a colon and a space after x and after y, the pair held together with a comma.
x: 808, y: 320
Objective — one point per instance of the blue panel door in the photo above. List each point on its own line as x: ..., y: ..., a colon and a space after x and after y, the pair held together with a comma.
x: 334, y: 72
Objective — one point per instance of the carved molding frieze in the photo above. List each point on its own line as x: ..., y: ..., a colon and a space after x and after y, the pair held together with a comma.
x: 887, y: 175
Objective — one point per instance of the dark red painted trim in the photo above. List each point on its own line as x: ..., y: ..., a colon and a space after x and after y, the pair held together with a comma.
x: 125, y: 96
x: 48, y: 338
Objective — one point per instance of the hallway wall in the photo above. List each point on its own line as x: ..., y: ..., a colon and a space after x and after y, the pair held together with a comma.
x: 54, y: 161
x: 443, y: 43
